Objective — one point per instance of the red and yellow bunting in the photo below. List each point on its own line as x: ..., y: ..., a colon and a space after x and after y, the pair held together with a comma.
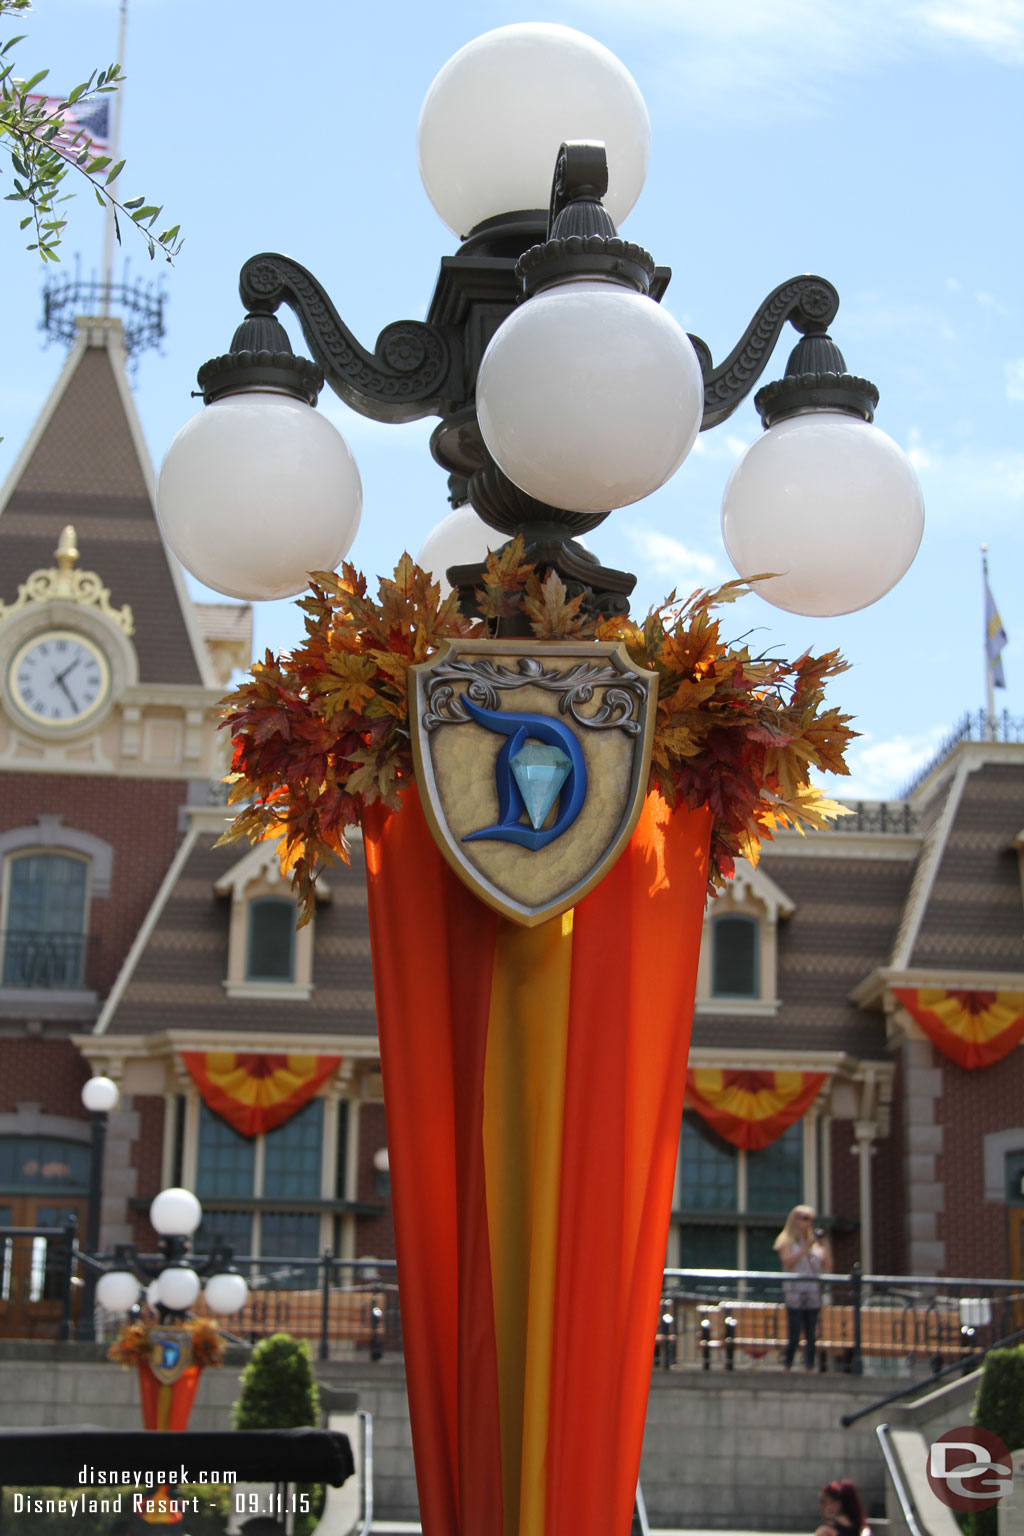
x: 534, y: 1081
x: 974, y: 1029
x: 751, y: 1109
x: 254, y: 1091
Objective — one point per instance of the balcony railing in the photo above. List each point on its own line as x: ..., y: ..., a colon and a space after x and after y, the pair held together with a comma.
x: 48, y: 960
x: 729, y: 1320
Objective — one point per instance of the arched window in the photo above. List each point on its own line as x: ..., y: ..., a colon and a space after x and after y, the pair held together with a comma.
x: 734, y: 956
x: 270, y: 953
x: 44, y: 920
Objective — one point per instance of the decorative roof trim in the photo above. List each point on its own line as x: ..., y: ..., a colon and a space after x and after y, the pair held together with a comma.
x: 927, y: 871
x: 876, y: 990
x: 62, y: 583
x: 752, y: 881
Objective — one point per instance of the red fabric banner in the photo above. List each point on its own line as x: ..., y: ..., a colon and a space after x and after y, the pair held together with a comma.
x: 751, y: 1109
x: 254, y: 1091
x: 974, y: 1029
x: 533, y: 1081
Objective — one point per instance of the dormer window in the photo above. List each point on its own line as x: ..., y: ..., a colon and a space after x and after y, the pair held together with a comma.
x: 269, y: 955
x: 738, y: 962
x: 735, y: 941
x: 270, y: 952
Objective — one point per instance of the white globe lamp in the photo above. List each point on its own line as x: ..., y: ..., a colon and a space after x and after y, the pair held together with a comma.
x: 177, y: 1287
x: 256, y: 491
x: 100, y: 1095
x: 226, y: 1293
x: 461, y: 538
x: 589, y: 396
x: 117, y: 1291
x: 493, y: 119
x: 175, y: 1213
x: 831, y: 505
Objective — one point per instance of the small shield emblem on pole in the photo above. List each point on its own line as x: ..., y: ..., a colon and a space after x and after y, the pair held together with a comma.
x: 170, y: 1353
x: 532, y: 762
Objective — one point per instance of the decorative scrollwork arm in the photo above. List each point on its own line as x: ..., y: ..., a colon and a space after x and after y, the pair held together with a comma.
x: 809, y: 302
x: 403, y: 379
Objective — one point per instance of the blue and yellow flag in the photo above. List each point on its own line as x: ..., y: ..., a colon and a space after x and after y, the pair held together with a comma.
x: 995, y: 638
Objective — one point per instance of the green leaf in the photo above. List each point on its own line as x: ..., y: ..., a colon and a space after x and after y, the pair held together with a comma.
x: 115, y: 173
x: 132, y: 203
x: 30, y: 85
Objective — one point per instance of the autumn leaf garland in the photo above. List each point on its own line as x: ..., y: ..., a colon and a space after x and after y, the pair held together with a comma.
x: 323, y: 731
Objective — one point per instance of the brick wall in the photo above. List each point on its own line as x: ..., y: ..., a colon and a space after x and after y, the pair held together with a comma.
x: 139, y: 817
x: 49, y: 1073
x: 976, y: 1231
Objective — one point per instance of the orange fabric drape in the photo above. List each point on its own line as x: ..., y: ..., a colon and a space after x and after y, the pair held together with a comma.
x: 751, y: 1109
x: 254, y: 1091
x: 534, y: 1084
x: 165, y: 1406
x: 974, y: 1029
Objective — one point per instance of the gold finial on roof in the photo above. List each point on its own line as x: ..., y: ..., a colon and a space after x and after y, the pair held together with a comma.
x: 64, y: 583
x: 66, y: 552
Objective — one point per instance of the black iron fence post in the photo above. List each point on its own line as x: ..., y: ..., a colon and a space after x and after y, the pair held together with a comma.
x: 70, y: 1234
x: 857, y: 1290
x: 326, y: 1260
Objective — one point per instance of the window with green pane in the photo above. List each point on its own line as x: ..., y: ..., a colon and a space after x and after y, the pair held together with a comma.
x: 219, y: 1227
x: 775, y: 1175
x: 292, y: 1155
x: 709, y: 1167
x: 270, y: 952
x: 44, y: 939
x: 710, y: 1247
x: 226, y: 1160
x: 734, y: 957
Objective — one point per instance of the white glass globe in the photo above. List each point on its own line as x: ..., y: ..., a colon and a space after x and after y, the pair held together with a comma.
x: 255, y: 492
x: 175, y: 1213
x: 461, y: 538
x: 226, y: 1293
x: 832, y: 505
x: 589, y: 396
x: 495, y: 116
x: 177, y: 1287
x: 117, y: 1290
x: 152, y: 1294
x: 100, y: 1095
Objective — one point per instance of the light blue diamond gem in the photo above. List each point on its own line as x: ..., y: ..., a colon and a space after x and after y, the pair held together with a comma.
x: 539, y: 772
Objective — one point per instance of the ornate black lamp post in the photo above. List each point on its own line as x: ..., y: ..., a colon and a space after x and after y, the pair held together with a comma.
x: 100, y: 1095
x: 172, y: 1285
x: 562, y: 390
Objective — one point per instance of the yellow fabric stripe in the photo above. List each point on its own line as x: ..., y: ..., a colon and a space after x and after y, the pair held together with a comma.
x: 524, y: 1090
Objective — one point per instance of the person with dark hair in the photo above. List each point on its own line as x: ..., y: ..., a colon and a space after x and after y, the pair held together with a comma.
x: 841, y: 1510
x: 804, y: 1253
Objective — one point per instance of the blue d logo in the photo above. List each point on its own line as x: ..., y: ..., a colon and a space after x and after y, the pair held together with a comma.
x: 541, y: 762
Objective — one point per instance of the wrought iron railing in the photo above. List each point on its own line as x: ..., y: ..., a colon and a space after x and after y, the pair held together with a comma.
x: 893, y: 817
x: 47, y: 960
x: 980, y: 726
x: 708, y: 1319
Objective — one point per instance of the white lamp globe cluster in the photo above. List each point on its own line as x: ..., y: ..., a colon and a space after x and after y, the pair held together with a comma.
x: 589, y: 395
x: 174, y: 1213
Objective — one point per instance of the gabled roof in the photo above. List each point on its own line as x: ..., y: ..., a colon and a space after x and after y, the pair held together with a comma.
x: 86, y: 463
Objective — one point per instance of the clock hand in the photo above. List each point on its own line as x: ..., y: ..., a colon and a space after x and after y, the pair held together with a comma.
x: 67, y: 691
x: 59, y: 677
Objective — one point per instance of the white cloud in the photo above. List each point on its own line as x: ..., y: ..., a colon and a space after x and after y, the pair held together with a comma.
x: 1015, y: 379
x: 993, y: 26
x: 880, y: 769
x: 662, y: 552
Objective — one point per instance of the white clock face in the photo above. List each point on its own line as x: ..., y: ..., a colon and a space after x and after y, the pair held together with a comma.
x: 59, y: 678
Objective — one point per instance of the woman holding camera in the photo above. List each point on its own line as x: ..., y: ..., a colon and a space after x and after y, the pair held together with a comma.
x: 805, y: 1255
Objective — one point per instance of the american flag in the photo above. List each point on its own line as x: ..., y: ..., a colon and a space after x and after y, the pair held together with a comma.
x: 84, y: 122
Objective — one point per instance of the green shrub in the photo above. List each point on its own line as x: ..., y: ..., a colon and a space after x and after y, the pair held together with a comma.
x: 279, y: 1389
x: 999, y: 1408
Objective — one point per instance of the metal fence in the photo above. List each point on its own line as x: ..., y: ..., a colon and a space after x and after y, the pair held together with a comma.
x: 727, y: 1320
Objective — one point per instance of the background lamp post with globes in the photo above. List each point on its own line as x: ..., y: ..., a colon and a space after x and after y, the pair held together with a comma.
x: 100, y: 1096
x: 173, y: 1285
x: 564, y: 390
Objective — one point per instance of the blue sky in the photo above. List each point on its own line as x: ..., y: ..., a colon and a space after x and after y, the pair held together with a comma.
x: 876, y: 144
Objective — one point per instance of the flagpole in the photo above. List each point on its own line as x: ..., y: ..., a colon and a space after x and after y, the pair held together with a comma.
x: 115, y: 149
x: 990, y: 698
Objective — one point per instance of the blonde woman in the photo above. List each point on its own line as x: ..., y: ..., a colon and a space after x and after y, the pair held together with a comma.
x: 804, y: 1253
